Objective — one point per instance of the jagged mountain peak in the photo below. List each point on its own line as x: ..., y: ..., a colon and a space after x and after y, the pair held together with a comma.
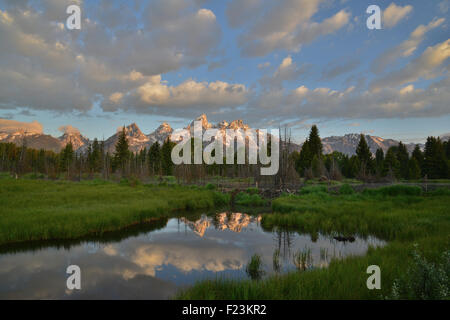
x: 75, y: 137
x: 205, y: 124
x: 238, y: 124
x: 133, y: 130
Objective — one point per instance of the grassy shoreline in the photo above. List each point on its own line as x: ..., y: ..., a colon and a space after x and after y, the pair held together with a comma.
x: 33, y: 210
x: 403, y: 220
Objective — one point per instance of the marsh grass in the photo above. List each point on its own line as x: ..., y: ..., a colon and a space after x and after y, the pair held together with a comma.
x: 254, y: 267
x: 276, y: 263
x: 44, y: 210
x: 250, y: 200
x: 303, y: 259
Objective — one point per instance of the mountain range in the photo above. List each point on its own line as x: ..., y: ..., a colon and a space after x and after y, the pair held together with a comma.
x: 138, y: 140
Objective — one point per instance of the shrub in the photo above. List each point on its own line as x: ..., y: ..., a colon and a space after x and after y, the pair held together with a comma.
x: 210, y: 186
x: 346, y: 189
x: 424, y: 280
x: 221, y: 199
x: 252, y: 190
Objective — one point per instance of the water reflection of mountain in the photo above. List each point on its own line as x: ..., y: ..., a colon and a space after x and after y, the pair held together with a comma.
x: 222, y: 221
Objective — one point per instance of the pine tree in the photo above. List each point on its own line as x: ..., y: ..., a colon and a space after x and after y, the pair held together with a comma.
x: 379, y: 161
x: 414, y: 169
x: 391, y: 164
x: 364, y: 156
x: 435, y: 163
x: 154, y: 158
x: 403, y: 160
x: 446, y: 145
x: 122, y: 153
x: 166, y: 157
x: 315, y: 143
x: 418, y: 155
x: 304, y: 159
x: 66, y: 156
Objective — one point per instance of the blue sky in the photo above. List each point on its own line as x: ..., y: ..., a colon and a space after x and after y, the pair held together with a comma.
x: 271, y: 63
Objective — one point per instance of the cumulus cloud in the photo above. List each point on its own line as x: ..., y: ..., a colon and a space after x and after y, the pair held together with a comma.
x: 43, y: 66
x: 393, y: 14
x: 157, y: 95
x: 426, y: 67
x: 407, y: 47
x: 68, y: 130
x: 11, y: 126
x: 325, y: 103
x: 285, y: 24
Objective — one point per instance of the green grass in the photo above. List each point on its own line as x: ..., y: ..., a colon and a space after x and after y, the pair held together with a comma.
x: 402, y: 220
x: 44, y: 210
x: 249, y: 200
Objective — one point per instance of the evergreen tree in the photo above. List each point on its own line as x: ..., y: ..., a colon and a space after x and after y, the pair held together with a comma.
x: 391, y: 164
x: 166, y: 157
x: 379, y: 161
x: 418, y: 155
x: 315, y: 143
x: 447, y: 149
x: 94, y: 156
x: 414, y: 169
x: 304, y: 159
x: 154, y: 158
x: 435, y: 163
x: 66, y: 157
x: 403, y: 160
x: 122, y: 153
x: 364, y: 156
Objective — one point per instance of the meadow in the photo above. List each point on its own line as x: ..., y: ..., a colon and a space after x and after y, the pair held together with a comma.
x: 33, y: 209
x: 415, y: 263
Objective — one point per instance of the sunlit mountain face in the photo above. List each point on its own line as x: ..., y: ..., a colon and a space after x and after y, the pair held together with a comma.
x: 235, y: 222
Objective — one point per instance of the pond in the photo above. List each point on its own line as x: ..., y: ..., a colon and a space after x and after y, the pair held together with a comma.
x: 155, y: 260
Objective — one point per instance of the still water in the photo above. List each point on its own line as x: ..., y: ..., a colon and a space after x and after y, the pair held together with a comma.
x: 154, y: 261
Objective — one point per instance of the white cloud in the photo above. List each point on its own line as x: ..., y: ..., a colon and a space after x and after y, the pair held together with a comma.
x: 305, y: 103
x: 42, y: 66
x: 424, y: 67
x: 393, y: 14
x: 407, y: 47
x: 157, y: 94
x: 284, y: 24
x: 68, y: 129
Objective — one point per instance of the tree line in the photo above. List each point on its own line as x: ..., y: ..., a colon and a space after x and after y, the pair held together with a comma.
x: 396, y: 163
x: 309, y: 162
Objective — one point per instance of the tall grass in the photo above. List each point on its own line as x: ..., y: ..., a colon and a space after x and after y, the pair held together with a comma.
x: 43, y: 210
x: 254, y: 267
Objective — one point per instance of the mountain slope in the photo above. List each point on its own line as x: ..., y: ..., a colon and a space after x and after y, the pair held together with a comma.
x: 347, y: 144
